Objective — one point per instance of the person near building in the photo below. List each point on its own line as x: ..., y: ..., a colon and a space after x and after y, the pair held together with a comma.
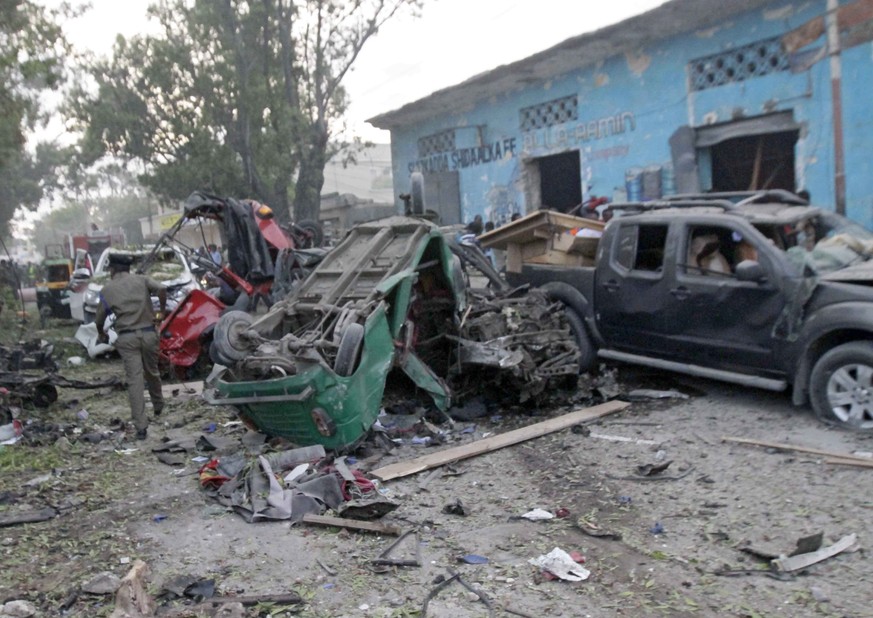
x: 128, y: 297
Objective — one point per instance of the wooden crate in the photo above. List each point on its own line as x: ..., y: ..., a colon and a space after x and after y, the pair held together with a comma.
x: 543, y: 238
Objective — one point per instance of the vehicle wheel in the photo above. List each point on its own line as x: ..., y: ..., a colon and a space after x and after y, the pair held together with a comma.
x: 841, y: 386
x: 349, y: 351
x: 576, y: 308
x: 313, y: 232
x: 417, y: 192
x: 227, y: 346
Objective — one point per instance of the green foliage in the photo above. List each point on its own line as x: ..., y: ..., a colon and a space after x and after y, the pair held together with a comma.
x: 234, y: 97
x: 32, y: 53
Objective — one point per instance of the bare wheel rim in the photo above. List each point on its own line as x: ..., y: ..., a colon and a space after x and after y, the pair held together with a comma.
x: 850, y: 395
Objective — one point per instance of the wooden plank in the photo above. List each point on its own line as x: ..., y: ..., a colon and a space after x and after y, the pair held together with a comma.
x: 473, y: 449
x: 840, y: 461
x: 799, y: 449
x: 352, y: 524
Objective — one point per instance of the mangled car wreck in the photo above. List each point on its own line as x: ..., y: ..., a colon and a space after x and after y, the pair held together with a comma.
x: 393, y: 297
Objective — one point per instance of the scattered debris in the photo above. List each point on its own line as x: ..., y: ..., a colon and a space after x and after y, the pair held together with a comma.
x: 27, y: 517
x: 592, y: 529
x: 560, y: 564
x: 385, y: 560
x: 132, y: 599
x: 455, y: 508
x: 473, y: 559
x: 102, y: 583
x: 640, y: 394
x: 653, y: 469
x: 601, y: 436
x: 444, y: 582
x: 537, y: 515
x: 658, y: 528
x: 801, y: 561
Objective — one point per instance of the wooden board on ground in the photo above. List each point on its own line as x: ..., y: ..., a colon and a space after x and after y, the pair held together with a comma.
x: 799, y: 449
x: 352, y: 524
x: 433, y: 460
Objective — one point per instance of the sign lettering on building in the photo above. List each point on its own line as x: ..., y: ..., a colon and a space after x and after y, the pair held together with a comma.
x: 565, y: 136
x: 462, y: 158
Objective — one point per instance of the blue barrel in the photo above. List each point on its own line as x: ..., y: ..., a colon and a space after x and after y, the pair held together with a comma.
x: 633, y: 182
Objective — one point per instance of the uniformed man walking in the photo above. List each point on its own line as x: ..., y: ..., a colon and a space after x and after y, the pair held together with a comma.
x: 128, y: 296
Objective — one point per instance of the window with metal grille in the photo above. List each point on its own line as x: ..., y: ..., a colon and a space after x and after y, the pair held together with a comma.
x: 736, y: 65
x: 549, y: 113
x: 444, y: 141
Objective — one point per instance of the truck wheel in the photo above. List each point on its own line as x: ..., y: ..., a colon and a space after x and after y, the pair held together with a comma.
x: 576, y: 308
x: 227, y: 347
x: 349, y: 350
x: 841, y: 386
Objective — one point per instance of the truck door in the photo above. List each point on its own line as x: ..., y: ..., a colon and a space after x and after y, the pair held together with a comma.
x: 714, y: 319
x: 631, y: 288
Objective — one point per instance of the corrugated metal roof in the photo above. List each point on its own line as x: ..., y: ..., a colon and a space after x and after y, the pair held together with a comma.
x: 669, y: 19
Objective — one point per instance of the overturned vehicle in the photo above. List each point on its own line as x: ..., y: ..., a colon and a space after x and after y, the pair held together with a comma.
x: 395, y: 298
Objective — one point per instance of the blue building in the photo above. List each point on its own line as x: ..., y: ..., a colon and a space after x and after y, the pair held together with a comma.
x: 695, y: 95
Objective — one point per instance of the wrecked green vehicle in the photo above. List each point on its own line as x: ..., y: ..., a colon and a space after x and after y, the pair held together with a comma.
x: 394, y: 302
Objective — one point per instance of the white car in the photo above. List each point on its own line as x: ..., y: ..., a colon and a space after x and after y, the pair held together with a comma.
x: 170, y: 268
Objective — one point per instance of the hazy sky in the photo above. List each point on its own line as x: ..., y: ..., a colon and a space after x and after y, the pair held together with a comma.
x: 413, y: 57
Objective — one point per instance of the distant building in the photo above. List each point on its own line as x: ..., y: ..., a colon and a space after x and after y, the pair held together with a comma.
x: 695, y: 95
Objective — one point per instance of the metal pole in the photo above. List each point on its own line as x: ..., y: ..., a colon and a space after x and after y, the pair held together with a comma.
x: 833, y: 34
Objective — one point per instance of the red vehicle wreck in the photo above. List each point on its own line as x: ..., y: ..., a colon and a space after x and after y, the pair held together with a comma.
x: 256, y: 243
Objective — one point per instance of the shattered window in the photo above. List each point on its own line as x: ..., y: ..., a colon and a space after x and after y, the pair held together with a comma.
x: 641, y: 247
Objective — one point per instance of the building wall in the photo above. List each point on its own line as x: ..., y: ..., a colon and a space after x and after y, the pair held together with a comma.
x: 629, y: 106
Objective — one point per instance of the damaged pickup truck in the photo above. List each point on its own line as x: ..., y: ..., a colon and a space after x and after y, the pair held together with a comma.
x: 762, y: 290
x: 393, y: 302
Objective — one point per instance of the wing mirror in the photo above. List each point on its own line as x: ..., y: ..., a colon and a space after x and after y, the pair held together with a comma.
x: 750, y: 270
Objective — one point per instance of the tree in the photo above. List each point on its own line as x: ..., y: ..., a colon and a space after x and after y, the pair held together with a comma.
x: 237, y: 97
x: 32, y: 52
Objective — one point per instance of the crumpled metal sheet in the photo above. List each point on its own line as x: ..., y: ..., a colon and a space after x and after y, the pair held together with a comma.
x: 256, y: 493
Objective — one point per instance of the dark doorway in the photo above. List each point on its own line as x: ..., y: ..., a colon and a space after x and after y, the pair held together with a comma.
x: 560, y: 181
x: 754, y: 162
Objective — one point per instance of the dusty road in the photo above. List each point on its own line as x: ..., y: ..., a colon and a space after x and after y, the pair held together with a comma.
x: 669, y: 540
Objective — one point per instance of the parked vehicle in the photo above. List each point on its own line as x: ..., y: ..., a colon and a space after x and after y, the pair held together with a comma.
x: 393, y: 294
x: 51, y: 292
x: 167, y: 265
x: 263, y: 263
x: 762, y: 290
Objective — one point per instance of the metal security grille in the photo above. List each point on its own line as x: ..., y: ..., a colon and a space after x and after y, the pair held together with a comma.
x: 444, y: 141
x: 549, y: 113
x: 736, y: 65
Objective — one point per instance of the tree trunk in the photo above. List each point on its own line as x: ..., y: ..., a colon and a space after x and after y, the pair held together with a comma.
x: 307, y: 197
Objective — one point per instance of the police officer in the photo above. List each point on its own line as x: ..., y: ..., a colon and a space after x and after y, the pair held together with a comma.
x: 128, y: 296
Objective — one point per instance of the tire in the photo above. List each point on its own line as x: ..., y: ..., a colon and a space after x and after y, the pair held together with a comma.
x: 575, y: 307
x: 227, y: 348
x: 349, y: 352
x: 841, y: 386
x: 416, y: 190
x: 314, y: 234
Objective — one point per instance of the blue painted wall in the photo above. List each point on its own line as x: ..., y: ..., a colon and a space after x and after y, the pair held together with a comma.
x: 630, y: 105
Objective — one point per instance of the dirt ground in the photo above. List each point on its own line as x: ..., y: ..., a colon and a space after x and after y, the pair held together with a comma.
x: 117, y: 505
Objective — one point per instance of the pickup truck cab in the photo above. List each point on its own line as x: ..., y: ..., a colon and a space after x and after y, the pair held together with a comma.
x: 764, y: 291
